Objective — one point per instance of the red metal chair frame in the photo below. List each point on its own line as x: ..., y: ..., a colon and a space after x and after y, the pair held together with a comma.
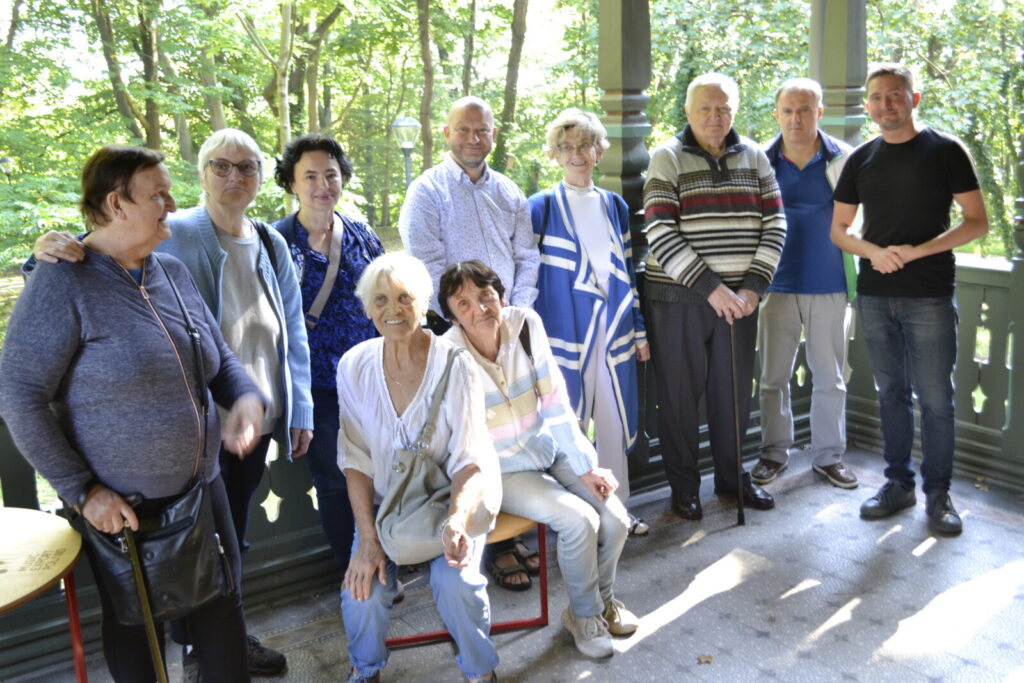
x: 501, y: 626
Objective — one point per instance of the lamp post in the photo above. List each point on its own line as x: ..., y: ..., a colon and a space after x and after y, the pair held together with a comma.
x: 406, y: 130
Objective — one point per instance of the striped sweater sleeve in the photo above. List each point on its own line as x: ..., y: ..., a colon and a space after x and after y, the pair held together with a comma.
x: 773, y: 230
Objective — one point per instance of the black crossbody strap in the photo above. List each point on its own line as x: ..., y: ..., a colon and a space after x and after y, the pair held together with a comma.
x: 261, y: 230
x: 197, y: 352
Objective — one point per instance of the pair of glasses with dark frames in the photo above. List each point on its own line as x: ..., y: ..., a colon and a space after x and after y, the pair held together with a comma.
x: 222, y: 167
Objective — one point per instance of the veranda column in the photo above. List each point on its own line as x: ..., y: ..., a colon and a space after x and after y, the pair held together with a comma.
x: 838, y: 61
x: 624, y: 72
x: 1013, y: 433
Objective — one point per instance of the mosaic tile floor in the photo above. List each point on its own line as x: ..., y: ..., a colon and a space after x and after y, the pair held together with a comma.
x: 805, y: 592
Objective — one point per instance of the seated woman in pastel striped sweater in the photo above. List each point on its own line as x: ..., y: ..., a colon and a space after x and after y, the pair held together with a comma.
x: 548, y: 467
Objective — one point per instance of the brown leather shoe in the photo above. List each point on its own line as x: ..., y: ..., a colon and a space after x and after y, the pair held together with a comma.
x: 838, y: 474
x: 687, y: 506
x: 766, y: 470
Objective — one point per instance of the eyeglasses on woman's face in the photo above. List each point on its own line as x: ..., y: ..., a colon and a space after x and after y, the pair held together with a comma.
x: 222, y: 167
x: 569, y: 148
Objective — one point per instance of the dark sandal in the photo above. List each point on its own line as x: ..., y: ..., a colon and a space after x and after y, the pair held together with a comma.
x: 529, y: 558
x: 501, y: 574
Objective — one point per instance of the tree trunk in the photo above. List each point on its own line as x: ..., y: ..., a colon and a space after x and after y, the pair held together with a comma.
x: 467, y: 51
x: 427, y: 98
x: 284, y: 56
x: 12, y: 32
x: 208, y: 79
x: 327, y: 110
x: 499, y: 160
x: 316, y: 44
x: 125, y: 106
x: 148, y: 56
x: 186, y: 149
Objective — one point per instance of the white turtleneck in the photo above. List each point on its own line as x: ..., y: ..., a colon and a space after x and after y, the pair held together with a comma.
x: 591, y: 223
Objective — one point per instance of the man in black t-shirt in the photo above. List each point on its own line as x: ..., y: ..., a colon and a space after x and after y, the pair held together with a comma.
x: 907, y: 180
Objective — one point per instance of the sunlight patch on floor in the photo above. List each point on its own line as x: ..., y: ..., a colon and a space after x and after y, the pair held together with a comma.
x: 946, y: 623
x: 841, y: 616
x: 924, y: 547
x: 894, y: 529
x: 724, y: 575
x: 698, y: 535
x: 829, y: 512
x: 806, y: 584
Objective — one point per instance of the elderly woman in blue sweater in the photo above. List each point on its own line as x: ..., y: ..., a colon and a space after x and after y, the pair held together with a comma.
x: 587, y: 293
x: 104, y: 340
x: 244, y: 272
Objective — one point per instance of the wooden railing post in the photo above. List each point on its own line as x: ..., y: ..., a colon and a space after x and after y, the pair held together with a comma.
x: 624, y: 72
x: 838, y: 61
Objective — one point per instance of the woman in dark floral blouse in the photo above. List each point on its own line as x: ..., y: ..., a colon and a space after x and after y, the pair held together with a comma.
x: 325, y: 244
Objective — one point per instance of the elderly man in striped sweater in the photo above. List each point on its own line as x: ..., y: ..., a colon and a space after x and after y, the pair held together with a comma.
x: 715, y: 226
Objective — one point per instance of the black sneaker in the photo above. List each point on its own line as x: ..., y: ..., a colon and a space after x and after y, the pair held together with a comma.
x: 890, y: 499
x: 942, y: 516
x: 263, y: 661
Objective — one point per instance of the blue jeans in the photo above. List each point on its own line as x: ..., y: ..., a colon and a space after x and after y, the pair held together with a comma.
x: 331, y: 489
x: 591, y: 533
x: 912, y: 345
x: 461, y: 599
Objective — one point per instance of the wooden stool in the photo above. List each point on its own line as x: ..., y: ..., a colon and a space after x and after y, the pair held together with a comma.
x: 506, y: 526
x: 37, y: 550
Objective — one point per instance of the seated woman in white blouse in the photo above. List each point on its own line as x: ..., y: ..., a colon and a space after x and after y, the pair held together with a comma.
x: 549, y: 469
x: 385, y: 386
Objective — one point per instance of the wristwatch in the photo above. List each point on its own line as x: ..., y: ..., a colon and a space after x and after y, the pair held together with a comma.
x: 84, y: 494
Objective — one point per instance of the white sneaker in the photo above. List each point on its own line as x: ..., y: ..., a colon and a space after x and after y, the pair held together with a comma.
x: 621, y: 622
x: 590, y: 633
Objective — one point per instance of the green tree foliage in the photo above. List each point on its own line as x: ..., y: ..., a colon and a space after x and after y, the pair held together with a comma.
x: 362, y: 63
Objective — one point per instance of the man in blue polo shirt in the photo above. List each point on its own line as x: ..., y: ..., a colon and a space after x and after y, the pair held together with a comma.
x: 809, y: 292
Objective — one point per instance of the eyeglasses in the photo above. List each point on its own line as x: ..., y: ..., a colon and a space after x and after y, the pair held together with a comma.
x: 582, y: 148
x: 222, y: 167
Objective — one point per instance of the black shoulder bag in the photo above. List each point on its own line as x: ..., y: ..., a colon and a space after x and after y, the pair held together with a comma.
x: 182, y: 558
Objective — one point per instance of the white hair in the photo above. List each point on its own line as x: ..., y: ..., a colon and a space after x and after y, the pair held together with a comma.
x: 717, y: 80
x: 399, y: 267
x: 231, y: 138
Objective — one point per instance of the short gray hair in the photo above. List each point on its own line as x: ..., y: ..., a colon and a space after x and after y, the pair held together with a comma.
x: 400, y: 267
x: 227, y: 137
x: 571, y: 119
x: 808, y: 85
x: 714, y: 79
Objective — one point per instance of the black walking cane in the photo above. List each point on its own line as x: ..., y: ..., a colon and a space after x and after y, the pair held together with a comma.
x: 740, y: 519
x: 147, y: 613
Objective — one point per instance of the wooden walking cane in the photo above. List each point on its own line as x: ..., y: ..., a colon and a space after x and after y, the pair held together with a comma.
x: 147, y: 613
x: 740, y: 519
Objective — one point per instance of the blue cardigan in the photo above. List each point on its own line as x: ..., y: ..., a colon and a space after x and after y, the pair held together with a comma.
x: 571, y: 304
x: 195, y: 243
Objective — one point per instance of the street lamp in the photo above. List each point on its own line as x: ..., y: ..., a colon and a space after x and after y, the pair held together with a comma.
x: 5, y: 166
x: 406, y: 130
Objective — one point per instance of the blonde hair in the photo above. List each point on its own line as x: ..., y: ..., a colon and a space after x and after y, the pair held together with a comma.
x: 575, y: 119
x: 399, y: 267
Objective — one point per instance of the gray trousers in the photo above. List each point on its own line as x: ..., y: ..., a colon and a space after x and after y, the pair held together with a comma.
x: 825, y: 320
x: 691, y: 351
